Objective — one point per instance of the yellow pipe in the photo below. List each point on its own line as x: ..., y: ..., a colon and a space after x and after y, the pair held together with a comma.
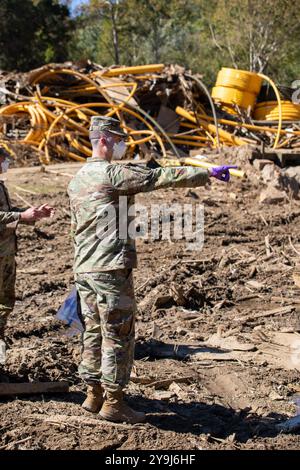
x: 189, y: 143
x: 69, y: 154
x: 199, y: 163
x: 82, y: 148
x: 103, y: 105
x: 279, y: 107
x: 268, y: 111
x: 77, y: 74
x: 241, y: 124
x: 210, y: 127
x: 187, y: 136
x: 203, y: 164
x: 131, y: 70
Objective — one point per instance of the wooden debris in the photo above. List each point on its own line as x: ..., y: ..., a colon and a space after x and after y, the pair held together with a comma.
x: 158, y: 349
x: 63, y: 419
x: 296, y: 278
x: 27, y: 203
x: 255, y: 284
x: 179, y: 392
x: 33, y: 193
x: 177, y: 293
x: 247, y: 297
x: 269, y: 313
x: 281, y: 349
x: 268, y: 246
x: 164, y: 396
x: 230, y: 343
x: 163, y: 383
x: 274, y: 396
x: 57, y: 173
x: 13, y: 443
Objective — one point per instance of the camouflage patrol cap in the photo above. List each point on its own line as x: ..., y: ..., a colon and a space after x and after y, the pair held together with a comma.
x: 103, y: 123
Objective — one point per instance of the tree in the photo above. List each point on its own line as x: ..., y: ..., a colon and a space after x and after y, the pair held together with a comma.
x: 135, y: 31
x: 97, y: 35
x: 32, y: 32
x: 202, y: 35
x: 256, y: 35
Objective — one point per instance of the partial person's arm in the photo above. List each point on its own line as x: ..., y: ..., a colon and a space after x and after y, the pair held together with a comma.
x: 8, y: 217
x: 133, y: 179
x: 28, y: 216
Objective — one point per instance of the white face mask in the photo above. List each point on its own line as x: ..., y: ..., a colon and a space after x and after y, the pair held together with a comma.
x: 5, y: 165
x: 119, y: 150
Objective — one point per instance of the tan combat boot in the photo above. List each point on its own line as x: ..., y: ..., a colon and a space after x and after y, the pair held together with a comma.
x: 94, y: 399
x: 115, y: 409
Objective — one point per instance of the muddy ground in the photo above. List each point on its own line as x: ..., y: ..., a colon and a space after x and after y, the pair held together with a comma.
x: 225, y: 385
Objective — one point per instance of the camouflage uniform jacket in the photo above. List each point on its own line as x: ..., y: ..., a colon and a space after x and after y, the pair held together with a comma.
x: 9, y: 218
x: 95, y: 190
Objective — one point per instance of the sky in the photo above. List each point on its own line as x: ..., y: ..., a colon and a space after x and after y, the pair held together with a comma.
x: 75, y: 4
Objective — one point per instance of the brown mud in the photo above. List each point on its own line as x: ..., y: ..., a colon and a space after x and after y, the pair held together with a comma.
x: 209, y: 369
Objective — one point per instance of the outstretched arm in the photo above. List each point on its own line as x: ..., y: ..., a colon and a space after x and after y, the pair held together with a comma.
x: 133, y: 179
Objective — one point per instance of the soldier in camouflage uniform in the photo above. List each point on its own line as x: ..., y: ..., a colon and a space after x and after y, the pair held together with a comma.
x: 104, y: 261
x: 10, y: 217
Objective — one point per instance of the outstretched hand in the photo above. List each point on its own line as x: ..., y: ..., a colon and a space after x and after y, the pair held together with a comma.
x: 45, y: 211
x: 36, y: 213
x: 221, y: 172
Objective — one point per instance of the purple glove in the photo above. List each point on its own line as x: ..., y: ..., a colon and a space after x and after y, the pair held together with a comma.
x: 221, y: 172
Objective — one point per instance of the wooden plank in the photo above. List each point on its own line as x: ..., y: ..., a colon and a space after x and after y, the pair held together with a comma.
x: 269, y: 313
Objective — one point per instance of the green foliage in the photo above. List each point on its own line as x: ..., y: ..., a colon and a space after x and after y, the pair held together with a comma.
x: 201, y: 35
x: 255, y: 35
x: 32, y: 32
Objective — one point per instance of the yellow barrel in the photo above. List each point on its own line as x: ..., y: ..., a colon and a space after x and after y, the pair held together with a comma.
x: 240, y: 79
x: 230, y: 96
x: 268, y: 111
x: 236, y: 87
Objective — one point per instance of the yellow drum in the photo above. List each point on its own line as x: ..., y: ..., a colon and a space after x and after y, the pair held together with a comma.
x: 236, y: 87
x: 240, y: 79
x: 230, y: 96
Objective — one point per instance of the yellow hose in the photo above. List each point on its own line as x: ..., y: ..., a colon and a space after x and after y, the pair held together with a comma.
x: 241, y: 124
x: 210, y: 127
x: 195, y: 162
x: 279, y: 107
x: 101, y: 105
x: 203, y: 164
x: 268, y: 111
x: 115, y: 72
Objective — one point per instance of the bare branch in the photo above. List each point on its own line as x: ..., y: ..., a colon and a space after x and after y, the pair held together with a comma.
x: 214, y: 38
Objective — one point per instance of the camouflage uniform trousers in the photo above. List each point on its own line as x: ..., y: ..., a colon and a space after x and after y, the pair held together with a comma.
x: 7, y: 289
x: 108, y: 310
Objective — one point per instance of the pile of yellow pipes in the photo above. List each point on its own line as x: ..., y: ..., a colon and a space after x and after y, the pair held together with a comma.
x: 53, y: 116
